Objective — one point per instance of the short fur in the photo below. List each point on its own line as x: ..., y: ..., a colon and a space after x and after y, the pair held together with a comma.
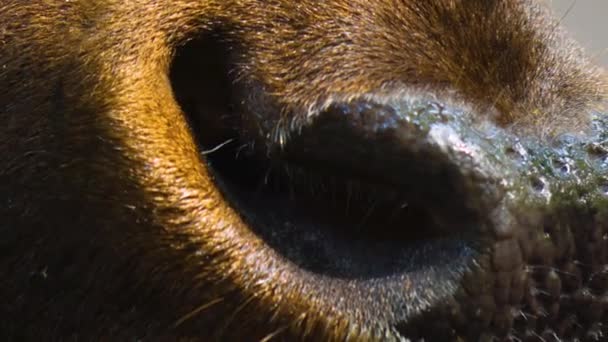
x: 110, y: 224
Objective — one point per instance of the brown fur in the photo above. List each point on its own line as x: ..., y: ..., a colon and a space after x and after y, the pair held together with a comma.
x: 111, y: 225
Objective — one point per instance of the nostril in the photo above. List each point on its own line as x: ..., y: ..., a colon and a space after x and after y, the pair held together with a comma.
x: 349, y: 206
x: 359, y: 190
x: 347, y: 235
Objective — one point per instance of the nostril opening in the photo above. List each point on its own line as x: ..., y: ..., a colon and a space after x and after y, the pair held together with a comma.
x: 332, y: 222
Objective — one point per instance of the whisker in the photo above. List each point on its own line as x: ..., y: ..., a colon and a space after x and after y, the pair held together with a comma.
x: 274, y: 334
x: 570, y: 8
x: 197, y: 311
x: 217, y: 148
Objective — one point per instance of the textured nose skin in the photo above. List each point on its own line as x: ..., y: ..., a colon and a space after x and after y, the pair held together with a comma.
x: 537, y: 209
x: 451, y: 160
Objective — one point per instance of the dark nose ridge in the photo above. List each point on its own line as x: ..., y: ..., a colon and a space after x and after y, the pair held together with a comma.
x: 430, y: 152
x: 459, y: 167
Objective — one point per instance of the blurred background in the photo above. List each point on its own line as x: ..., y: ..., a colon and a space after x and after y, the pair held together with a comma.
x: 587, y: 21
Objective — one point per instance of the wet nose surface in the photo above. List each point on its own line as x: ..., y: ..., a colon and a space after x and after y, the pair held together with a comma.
x: 452, y: 163
x: 535, y: 210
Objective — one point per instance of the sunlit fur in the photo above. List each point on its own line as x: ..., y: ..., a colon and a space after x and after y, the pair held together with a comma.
x: 110, y: 225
